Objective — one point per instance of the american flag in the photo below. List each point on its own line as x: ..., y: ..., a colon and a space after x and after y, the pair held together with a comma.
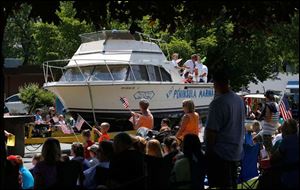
x: 285, y: 108
x: 79, y: 122
x: 124, y: 102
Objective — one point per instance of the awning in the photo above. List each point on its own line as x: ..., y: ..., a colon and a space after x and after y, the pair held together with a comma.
x: 292, y: 84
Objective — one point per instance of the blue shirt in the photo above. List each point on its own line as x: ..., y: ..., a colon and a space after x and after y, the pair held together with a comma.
x: 226, y: 117
x: 27, y: 178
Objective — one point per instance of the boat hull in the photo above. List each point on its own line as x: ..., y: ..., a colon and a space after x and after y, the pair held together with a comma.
x: 104, y: 99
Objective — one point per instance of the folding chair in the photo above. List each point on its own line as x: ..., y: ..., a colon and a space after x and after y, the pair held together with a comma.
x: 249, y: 168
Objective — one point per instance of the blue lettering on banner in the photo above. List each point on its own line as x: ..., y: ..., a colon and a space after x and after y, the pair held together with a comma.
x: 144, y: 95
x: 190, y: 93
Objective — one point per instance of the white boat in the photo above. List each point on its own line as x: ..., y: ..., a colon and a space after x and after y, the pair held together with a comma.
x: 113, y: 64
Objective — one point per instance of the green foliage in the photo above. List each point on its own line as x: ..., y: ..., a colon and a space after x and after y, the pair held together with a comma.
x: 36, y: 97
x: 62, y: 40
x: 182, y: 47
x: 17, y: 41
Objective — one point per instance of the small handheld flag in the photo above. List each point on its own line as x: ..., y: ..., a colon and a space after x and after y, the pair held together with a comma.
x: 79, y: 122
x: 124, y: 102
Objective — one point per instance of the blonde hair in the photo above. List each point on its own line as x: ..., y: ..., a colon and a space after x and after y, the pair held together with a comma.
x: 105, y: 124
x: 189, y: 104
x: 153, y: 148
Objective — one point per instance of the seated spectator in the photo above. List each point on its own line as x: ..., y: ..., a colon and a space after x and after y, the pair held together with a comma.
x: 77, y: 151
x: 286, y: 158
x: 27, y: 178
x: 165, y: 125
x: 93, y: 155
x: 145, y: 119
x: 103, y: 133
x: 86, y: 136
x: 127, y: 165
x: 45, y: 173
x: 61, y: 120
x: 156, y: 168
x: 189, y: 172
x: 38, y: 117
x: 98, y: 175
x: 51, y: 118
x: 171, y: 152
x: 36, y: 158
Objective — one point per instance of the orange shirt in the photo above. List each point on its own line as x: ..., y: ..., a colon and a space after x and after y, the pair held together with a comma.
x: 190, y: 126
x: 145, y: 121
x: 104, y: 137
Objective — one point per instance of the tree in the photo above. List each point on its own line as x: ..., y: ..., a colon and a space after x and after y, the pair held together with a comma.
x: 18, y: 42
x: 35, y: 97
x: 62, y: 40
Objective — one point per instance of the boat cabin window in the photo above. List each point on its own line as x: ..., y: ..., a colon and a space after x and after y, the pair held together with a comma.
x: 154, y: 73
x: 101, y: 73
x: 140, y: 73
x: 165, y: 75
x: 117, y: 73
x: 74, y: 74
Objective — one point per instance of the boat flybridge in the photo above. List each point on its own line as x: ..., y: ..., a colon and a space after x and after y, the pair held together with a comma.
x: 113, y: 64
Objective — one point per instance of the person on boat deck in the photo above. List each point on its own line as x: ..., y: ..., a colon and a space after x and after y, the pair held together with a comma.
x: 189, y: 79
x: 189, y: 121
x: 145, y: 119
x: 104, y: 127
x: 190, y: 65
x: 175, y: 62
x: 202, y: 70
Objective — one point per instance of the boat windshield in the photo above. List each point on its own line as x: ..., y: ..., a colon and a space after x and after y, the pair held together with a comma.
x: 108, y: 34
x: 116, y: 73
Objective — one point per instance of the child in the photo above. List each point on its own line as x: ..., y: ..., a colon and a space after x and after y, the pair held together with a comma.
x: 104, y: 127
x: 35, y: 159
x: 86, y: 135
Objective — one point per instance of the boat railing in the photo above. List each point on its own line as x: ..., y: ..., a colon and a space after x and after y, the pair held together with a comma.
x: 54, y: 69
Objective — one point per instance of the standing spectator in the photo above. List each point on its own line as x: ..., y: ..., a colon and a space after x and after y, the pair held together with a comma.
x: 190, y: 120
x: 156, y: 169
x: 77, y: 151
x: 36, y: 158
x: 189, y: 171
x: 127, y: 165
x: 189, y: 66
x: 12, y: 177
x: 145, y: 119
x: 258, y: 111
x: 224, y: 134
x: 45, y: 173
x: 86, y: 136
x: 171, y: 151
x: 93, y: 155
x: 27, y: 178
x: 270, y: 123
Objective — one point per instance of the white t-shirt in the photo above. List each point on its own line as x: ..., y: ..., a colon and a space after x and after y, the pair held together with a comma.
x: 189, y: 63
x: 201, y: 70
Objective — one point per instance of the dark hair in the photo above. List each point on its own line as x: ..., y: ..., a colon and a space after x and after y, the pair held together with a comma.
x: 123, y: 138
x: 78, y: 149
x: 38, y: 110
x: 221, y: 77
x: 191, y: 146
x: 171, y: 142
x: 270, y: 95
x: 144, y: 104
x: 260, y: 104
x: 51, y: 151
x: 166, y: 121
x: 289, y: 127
x: 106, y: 148
x: 86, y: 133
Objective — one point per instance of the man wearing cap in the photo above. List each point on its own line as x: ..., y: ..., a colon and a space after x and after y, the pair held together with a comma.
x: 93, y: 155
